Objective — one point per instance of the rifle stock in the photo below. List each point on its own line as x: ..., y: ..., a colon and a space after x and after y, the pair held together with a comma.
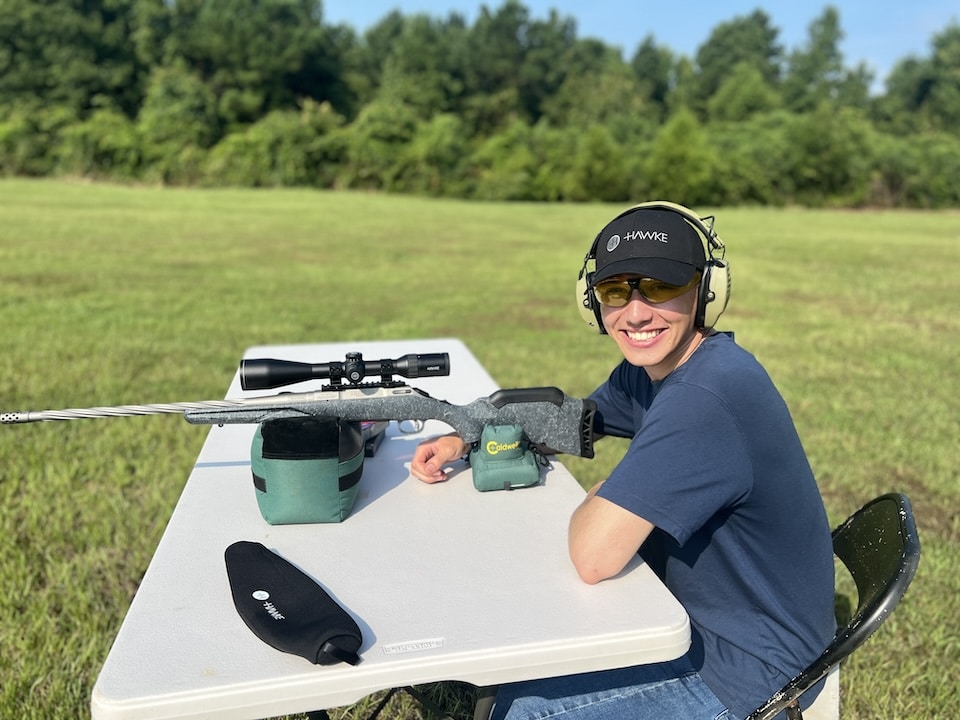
x: 547, y: 415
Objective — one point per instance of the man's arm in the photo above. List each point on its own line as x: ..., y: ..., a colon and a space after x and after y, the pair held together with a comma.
x: 603, y: 537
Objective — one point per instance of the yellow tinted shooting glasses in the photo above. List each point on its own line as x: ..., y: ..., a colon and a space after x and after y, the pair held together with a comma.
x: 616, y: 291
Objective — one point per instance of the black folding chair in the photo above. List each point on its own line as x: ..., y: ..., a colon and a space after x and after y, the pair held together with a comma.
x: 880, y: 548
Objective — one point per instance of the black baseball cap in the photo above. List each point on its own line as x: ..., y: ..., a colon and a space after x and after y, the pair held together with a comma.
x: 650, y: 242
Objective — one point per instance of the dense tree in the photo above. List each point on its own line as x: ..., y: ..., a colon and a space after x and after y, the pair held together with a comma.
x: 150, y: 28
x: 599, y: 88
x: 908, y: 88
x: 28, y: 136
x: 505, y: 166
x: 78, y: 56
x: 325, y: 72
x: 106, y: 144
x: 256, y: 55
x: 753, y: 158
x: 550, y: 56
x: 683, y: 94
x: 924, y: 93
x: 751, y: 39
x: 495, y: 49
x: 178, y: 121
x: 421, y: 69
x: 265, y: 93
x: 653, y: 67
x: 816, y: 73
x: 742, y: 95
x: 285, y: 148
x: 367, y: 58
x: 600, y: 169
x: 376, y: 144
x: 943, y: 106
x: 831, y: 152
x: 681, y: 161
x: 434, y: 156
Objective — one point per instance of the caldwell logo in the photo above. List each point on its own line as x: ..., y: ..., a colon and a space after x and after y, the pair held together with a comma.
x: 493, y: 447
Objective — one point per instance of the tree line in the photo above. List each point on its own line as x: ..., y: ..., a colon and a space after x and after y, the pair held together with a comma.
x: 265, y: 93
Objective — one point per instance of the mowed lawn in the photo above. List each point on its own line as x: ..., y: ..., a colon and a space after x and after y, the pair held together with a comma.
x: 117, y: 295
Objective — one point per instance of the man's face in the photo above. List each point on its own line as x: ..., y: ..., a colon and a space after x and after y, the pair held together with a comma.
x: 657, y: 337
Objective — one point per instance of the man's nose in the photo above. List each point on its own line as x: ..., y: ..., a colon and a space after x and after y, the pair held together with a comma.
x: 637, y: 308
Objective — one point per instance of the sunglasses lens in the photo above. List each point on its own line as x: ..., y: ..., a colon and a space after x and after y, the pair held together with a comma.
x: 613, y: 293
x: 659, y: 292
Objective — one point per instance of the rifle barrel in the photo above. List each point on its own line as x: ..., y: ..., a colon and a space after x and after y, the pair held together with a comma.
x: 28, y: 416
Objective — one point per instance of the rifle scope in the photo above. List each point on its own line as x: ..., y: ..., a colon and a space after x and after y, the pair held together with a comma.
x: 262, y: 374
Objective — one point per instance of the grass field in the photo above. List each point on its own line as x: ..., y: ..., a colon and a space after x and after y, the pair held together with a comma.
x: 116, y: 295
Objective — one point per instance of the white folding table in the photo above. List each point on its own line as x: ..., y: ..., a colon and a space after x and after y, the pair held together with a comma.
x: 446, y: 583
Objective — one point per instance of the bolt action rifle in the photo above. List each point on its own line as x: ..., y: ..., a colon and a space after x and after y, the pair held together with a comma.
x: 547, y: 415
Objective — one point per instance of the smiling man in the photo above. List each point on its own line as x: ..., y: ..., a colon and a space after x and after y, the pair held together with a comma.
x: 714, y: 490
x: 656, y: 254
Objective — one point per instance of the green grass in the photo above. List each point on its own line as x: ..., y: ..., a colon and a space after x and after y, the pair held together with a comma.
x: 115, y: 295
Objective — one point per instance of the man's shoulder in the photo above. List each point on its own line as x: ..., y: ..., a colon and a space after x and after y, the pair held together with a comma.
x: 723, y: 369
x: 719, y: 356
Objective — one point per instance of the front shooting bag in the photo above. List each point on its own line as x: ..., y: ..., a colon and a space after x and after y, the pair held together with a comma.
x: 306, y: 470
x: 503, y: 459
x: 285, y: 608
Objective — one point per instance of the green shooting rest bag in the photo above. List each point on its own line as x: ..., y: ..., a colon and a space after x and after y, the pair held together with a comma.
x: 503, y: 459
x: 306, y: 470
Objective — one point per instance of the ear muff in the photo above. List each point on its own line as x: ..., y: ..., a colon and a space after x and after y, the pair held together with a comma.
x: 714, y: 292
x: 586, y: 301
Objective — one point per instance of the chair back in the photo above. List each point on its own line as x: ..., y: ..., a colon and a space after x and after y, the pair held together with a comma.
x: 880, y: 547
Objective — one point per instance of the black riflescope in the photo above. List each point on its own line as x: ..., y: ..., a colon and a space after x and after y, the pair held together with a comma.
x: 262, y: 373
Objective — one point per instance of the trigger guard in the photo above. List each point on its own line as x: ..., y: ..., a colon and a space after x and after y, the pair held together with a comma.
x: 410, y: 427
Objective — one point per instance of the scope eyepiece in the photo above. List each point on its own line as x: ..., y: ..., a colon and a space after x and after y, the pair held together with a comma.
x: 264, y: 373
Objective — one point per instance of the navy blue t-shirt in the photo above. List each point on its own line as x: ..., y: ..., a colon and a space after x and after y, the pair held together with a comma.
x: 741, y: 537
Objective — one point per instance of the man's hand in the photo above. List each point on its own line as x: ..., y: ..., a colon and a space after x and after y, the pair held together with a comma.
x: 432, y: 455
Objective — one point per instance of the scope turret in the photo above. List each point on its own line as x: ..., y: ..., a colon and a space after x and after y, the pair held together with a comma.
x: 263, y: 373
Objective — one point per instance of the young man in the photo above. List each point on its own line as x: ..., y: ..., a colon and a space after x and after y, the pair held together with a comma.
x: 714, y: 491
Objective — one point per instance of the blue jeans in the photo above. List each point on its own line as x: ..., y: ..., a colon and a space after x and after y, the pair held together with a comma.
x: 644, y: 692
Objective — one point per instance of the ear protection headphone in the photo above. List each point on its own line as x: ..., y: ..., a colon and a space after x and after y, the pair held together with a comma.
x: 714, y: 289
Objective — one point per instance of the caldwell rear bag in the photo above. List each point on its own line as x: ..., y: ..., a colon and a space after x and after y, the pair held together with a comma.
x: 306, y: 470
x: 287, y: 609
x: 503, y: 459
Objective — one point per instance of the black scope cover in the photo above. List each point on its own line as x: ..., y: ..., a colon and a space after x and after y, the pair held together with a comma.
x: 286, y: 609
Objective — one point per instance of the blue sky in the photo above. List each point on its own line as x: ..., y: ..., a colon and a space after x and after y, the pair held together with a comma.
x: 877, y: 32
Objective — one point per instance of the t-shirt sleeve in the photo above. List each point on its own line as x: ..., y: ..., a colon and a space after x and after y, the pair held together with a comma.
x: 616, y: 410
x: 686, y: 462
